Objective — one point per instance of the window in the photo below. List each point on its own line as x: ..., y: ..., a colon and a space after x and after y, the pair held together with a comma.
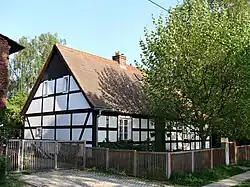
x: 45, y: 88
x: 38, y: 132
x: 123, y: 129
x: 65, y: 84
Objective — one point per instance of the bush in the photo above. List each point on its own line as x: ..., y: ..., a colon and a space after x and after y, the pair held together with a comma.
x: 3, y: 166
x: 129, y: 145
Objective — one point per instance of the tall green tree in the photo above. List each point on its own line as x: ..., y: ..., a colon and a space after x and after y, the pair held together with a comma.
x: 197, y: 64
x: 26, y: 65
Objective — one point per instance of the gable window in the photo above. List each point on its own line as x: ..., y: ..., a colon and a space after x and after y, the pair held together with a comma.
x: 123, y: 129
x: 65, y: 84
x: 45, y: 88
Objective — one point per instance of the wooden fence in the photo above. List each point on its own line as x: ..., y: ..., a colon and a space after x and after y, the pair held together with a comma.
x: 41, y: 154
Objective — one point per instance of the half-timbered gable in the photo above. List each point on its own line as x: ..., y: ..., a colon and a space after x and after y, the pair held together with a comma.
x: 80, y: 96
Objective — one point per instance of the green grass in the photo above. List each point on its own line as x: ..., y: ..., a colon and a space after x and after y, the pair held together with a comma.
x: 244, y: 184
x: 245, y: 163
x: 205, y: 177
x: 11, y: 181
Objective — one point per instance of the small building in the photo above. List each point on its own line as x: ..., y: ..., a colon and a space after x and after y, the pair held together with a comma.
x: 80, y: 96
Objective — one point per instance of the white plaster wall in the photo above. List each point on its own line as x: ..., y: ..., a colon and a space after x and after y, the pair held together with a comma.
x: 113, y: 122
x: 27, y: 134
x: 35, y: 106
x: 63, y: 134
x: 136, y: 136
x: 144, y: 123
x: 61, y: 103
x: 73, y: 85
x: 34, y: 121
x: 48, y: 103
x: 39, y: 91
x: 77, y: 101
x: 136, y: 123
x: 197, y: 145
x: 144, y: 135
x: 62, y: 119
x: 207, y: 145
x: 48, y: 134
x: 192, y: 145
x: 101, y: 136
x: 49, y: 120
x: 87, y: 135
x: 102, y: 121
x: 112, y: 136
x: 76, y: 133
x: 79, y: 119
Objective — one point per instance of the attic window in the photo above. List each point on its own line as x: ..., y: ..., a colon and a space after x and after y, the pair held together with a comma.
x: 45, y: 88
x: 65, y: 84
x: 138, y: 77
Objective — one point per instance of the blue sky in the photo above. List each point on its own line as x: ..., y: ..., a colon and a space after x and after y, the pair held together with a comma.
x: 100, y: 27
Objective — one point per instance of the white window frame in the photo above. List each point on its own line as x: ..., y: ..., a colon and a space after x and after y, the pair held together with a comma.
x: 38, y: 132
x: 66, y: 84
x: 45, y: 88
x: 122, y: 128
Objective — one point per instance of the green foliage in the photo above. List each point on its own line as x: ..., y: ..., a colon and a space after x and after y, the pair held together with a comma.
x: 3, y: 167
x: 128, y: 145
x: 244, y: 184
x: 197, y: 64
x: 10, y: 118
x: 202, y: 178
x: 26, y: 65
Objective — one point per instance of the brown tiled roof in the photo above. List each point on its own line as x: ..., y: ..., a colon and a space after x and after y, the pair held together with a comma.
x: 106, y: 84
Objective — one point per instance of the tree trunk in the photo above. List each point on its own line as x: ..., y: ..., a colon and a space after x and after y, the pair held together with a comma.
x: 203, y: 142
x: 160, y: 135
x: 4, y: 61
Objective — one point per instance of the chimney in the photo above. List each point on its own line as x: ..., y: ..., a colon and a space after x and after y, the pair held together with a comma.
x: 120, y: 58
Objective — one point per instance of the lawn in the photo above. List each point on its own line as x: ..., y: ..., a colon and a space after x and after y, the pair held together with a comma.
x: 11, y: 181
x: 205, y: 177
x: 244, y: 184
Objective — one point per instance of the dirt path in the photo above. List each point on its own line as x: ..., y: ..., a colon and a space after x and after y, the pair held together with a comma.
x: 76, y: 178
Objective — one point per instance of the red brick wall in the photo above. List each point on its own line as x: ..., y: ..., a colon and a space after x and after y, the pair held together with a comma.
x: 4, y: 60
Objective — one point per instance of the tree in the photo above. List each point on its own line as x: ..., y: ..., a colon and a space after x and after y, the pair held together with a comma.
x: 26, y: 65
x: 10, y: 118
x: 197, y: 64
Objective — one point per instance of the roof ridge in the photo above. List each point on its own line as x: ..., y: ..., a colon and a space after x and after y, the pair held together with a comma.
x: 83, y: 52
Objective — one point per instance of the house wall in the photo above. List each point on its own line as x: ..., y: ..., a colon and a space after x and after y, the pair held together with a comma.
x: 142, y: 129
x: 59, y: 114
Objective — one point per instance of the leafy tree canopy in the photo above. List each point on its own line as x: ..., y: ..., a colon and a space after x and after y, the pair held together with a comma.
x: 197, y: 64
x: 26, y: 65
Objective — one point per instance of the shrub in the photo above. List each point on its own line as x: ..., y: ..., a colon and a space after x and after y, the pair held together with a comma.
x: 3, y: 166
x: 129, y: 145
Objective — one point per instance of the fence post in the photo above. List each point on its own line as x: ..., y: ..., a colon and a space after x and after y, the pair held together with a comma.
x: 212, y: 158
x: 7, y: 157
x: 19, y: 155
x: 235, y: 153
x: 134, y: 162
x: 192, y: 161
x: 227, y: 152
x: 107, y: 158
x: 22, y: 154
x: 56, y: 153
x: 84, y: 155
x: 245, y: 152
x: 168, y: 161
